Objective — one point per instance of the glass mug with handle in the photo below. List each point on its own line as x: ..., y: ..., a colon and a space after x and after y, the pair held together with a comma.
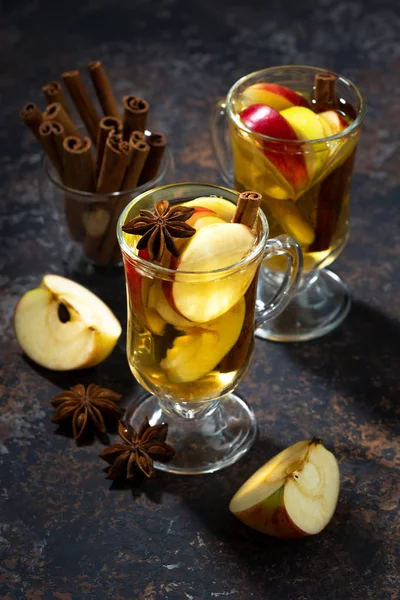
x: 191, y: 318
x: 293, y: 133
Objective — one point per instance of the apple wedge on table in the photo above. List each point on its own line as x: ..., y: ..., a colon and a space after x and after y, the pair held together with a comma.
x: 63, y: 326
x: 293, y: 495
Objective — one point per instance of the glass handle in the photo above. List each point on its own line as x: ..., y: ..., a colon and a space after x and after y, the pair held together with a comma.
x: 219, y: 133
x: 283, y: 245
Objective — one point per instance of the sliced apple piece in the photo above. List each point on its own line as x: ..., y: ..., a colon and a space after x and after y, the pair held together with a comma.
x: 277, y: 96
x: 220, y: 206
x: 334, y: 120
x: 215, y: 247
x: 293, y: 495
x: 194, y: 355
x: 63, y: 326
x: 158, y: 302
x: 206, y: 221
x: 309, y: 126
x: 287, y: 161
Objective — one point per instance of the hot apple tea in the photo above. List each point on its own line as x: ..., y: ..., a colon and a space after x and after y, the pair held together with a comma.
x: 285, y: 148
x: 190, y: 334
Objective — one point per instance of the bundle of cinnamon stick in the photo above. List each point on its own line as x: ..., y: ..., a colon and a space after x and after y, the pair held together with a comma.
x: 116, y: 155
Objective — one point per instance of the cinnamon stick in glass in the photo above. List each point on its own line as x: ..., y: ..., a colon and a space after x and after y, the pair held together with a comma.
x: 83, y: 102
x: 157, y: 143
x: 109, y: 244
x: 32, y: 117
x: 246, y: 213
x: 54, y: 93
x: 48, y: 131
x: 140, y: 151
x: 103, y: 89
x: 324, y: 92
x: 116, y: 157
x: 135, y: 114
x: 56, y: 112
x: 78, y: 175
x: 107, y: 125
x: 247, y: 208
x: 333, y: 193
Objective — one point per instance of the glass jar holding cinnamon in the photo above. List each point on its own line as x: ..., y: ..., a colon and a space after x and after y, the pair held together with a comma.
x: 81, y: 199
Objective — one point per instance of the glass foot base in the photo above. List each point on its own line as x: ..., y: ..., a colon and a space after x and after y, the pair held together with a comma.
x: 321, y: 303
x: 202, y: 445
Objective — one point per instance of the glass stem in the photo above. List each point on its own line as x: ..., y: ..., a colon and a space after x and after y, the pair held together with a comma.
x: 188, y: 411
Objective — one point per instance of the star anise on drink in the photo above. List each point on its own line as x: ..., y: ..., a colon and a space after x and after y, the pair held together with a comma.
x: 159, y: 228
x: 94, y: 406
x: 139, y: 449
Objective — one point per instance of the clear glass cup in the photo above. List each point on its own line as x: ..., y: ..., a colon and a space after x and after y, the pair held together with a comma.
x: 84, y: 223
x: 306, y: 193
x: 191, y: 368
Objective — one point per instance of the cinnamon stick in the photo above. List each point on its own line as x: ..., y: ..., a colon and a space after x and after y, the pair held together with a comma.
x: 247, y: 208
x: 116, y: 157
x: 48, y: 131
x: 331, y: 197
x: 54, y: 93
x: 32, y: 117
x: 137, y: 136
x: 58, y: 137
x: 157, y: 143
x: 245, y: 213
x: 107, y: 125
x: 56, y: 112
x: 237, y: 357
x: 78, y: 174
x: 135, y: 114
x: 103, y: 89
x: 109, y: 245
x: 324, y: 92
x: 78, y: 164
x: 82, y: 101
x: 139, y: 154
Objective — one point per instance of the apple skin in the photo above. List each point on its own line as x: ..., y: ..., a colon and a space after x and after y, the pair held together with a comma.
x: 270, y: 517
x: 276, y: 96
x: 267, y: 121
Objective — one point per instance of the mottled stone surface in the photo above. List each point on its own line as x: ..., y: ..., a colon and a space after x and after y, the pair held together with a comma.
x: 64, y: 532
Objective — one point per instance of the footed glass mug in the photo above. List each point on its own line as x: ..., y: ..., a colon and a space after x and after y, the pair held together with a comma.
x: 303, y: 170
x: 190, y: 334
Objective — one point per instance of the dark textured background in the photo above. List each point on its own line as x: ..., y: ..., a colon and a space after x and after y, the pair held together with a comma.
x: 64, y: 534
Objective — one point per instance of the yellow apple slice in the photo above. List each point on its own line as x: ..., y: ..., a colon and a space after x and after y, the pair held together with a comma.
x: 194, y: 355
x: 63, y: 326
x: 293, y: 495
x: 222, y: 207
x: 307, y: 125
x: 211, y: 248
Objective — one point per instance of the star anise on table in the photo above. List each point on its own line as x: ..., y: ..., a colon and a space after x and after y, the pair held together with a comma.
x: 139, y: 448
x: 94, y: 406
x: 159, y: 228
